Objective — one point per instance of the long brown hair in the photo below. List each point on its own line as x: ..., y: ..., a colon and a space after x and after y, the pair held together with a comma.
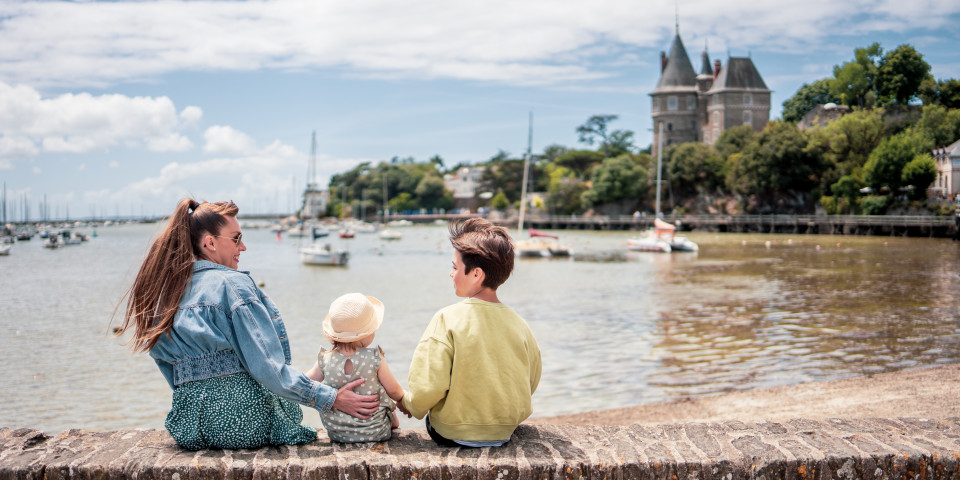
x: 153, y: 299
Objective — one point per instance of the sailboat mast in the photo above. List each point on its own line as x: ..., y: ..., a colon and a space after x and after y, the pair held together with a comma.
x: 526, y: 168
x: 659, y: 168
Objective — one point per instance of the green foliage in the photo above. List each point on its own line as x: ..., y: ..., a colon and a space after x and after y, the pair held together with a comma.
x: 848, y: 190
x: 430, y: 191
x: 613, y: 143
x: 845, y: 144
x: 885, y: 166
x: 807, y: 97
x: 564, y: 191
x: 616, y: 179
x: 900, y: 74
x: 402, y: 202
x: 504, y: 175
x: 874, y: 204
x: 854, y: 82
x: 552, y: 152
x: 829, y: 205
x: 775, y: 162
x: 733, y: 140
x: 939, y: 126
x: 694, y: 166
x: 580, y: 161
x: 920, y: 173
x: 500, y: 201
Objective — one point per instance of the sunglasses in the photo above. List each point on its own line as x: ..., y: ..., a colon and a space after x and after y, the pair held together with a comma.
x: 236, y: 240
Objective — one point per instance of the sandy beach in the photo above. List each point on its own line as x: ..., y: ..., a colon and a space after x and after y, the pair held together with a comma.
x: 930, y: 392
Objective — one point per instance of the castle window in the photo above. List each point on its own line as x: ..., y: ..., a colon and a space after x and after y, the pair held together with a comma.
x: 747, y: 99
x: 669, y: 127
x: 748, y: 117
x: 671, y: 103
x: 716, y: 118
x: 716, y: 133
x: 692, y: 104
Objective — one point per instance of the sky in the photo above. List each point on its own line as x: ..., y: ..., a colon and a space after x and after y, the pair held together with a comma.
x: 122, y: 108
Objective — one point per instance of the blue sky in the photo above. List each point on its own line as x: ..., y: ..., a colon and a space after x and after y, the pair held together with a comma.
x: 125, y: 107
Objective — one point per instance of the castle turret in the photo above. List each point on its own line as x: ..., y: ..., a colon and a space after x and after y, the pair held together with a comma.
x: 738, y: 96
x: 674, y: 101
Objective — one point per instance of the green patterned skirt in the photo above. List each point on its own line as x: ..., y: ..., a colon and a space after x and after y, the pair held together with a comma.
x: 234, y: 411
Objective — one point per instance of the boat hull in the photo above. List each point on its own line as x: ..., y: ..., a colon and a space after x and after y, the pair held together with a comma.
x: 324, y: 256
x: 648, y: 245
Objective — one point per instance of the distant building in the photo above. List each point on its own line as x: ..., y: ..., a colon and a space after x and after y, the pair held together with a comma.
x: 698, y: 108
x: 948, y: 170
x: 821, y: 115
x: 314, y: 202
x: 464, y: 184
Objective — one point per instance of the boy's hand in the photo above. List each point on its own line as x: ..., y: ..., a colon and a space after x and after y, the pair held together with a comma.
x: 360, y: 406
x: 402, y: 409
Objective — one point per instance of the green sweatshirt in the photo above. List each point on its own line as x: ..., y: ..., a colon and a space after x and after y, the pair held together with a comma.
x: 474, y: 371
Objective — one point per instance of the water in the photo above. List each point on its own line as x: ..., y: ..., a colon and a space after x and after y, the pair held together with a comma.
x: 615, y: 328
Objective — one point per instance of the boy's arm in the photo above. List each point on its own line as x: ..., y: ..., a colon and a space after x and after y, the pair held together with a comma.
x: 389, y: 382
x: 429, y: 376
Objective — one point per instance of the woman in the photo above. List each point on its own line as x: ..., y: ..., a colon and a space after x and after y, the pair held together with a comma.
x: 220, y: 341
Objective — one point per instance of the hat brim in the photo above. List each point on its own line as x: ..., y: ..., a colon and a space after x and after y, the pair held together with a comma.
x: 371, y: 327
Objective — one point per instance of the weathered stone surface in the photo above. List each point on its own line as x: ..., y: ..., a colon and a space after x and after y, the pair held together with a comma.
x: 798, y: 449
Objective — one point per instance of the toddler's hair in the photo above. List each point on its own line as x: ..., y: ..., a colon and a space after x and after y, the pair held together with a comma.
x: 484, y: 245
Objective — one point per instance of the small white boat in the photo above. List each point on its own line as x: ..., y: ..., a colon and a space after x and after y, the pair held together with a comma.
x: 347, y: 233
x: 390, y: 234
x: 400, y: 223
x: 541, y: 245
x: 69, y: 237
x: 5, y: 249
x: 648, y: 243
x: 325, y: 254
x: 53, y: 241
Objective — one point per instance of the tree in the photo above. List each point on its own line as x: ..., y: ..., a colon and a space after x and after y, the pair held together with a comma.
x: 886, y: 163
x: 430, y: 191
x: 694, y: 166
x: 920, y: 172
x: 939, y: 126
x: 807, y: 97
x: 553, y: 152
x: 504, y: 175
x: 613, y: 143
x: 776, y: 162
x: 616, y: 179
x: 565, y: 191
x: 854, y: 83
x: 847, y: 188
x: 733, y: 140
x: 580, y: 161
x: 900, y: 74
x: 845, y: 144
x: 499, y: 201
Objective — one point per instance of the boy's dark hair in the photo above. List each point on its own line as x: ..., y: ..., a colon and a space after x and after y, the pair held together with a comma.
x: 485, y: 245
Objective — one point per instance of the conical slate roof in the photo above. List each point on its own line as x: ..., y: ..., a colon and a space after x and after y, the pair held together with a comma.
x: 706, y: 68
x: 679, y: 71
x: 739, y: 73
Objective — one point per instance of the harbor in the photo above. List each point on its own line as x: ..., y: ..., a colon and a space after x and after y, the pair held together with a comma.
x: 748, y: 311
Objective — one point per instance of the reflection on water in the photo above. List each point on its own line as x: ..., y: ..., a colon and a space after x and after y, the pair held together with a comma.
x: 616, y: 328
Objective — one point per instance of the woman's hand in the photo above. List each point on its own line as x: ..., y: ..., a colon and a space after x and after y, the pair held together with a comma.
x: 360, y: 406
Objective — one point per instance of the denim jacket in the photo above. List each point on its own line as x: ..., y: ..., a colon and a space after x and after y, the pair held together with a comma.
x: 225, y: 324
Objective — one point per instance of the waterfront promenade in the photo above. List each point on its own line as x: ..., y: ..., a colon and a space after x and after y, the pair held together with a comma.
x: 886, y: 225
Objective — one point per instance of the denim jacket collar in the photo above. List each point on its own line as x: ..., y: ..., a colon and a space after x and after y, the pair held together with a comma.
x: 200, y: 265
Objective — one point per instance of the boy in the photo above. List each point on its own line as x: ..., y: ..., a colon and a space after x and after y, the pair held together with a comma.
x: 477, y: 363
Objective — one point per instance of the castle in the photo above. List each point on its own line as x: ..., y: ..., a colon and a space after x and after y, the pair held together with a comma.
x: 688, y: 107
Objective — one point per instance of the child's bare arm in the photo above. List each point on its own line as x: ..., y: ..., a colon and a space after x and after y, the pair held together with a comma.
x: 389, y: 382
x: 315, y: 373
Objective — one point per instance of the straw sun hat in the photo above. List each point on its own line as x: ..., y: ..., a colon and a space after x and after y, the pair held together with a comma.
x: 352, y: 317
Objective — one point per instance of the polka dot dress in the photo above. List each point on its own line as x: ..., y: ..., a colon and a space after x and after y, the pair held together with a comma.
x: 344, y: 428
x: 234, y: 411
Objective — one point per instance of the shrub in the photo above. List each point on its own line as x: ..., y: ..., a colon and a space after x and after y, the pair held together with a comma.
x: 874, y: 204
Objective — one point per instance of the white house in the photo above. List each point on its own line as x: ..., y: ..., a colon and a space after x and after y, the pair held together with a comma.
x: 948, y: 170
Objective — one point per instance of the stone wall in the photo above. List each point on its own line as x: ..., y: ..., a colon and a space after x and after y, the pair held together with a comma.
x: 799, y: 449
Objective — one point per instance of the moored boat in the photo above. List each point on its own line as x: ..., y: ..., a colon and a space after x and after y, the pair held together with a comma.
x: 390, y: 234
x: 325, y: 254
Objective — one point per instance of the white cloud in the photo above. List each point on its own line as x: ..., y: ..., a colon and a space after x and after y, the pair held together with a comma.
x: 81, y: 123
x: 533, y: 42
x: 114, y: 164
x: 223, y: 139
x: 81, y: 167
x: 191, y: 115
x: 37, y: 171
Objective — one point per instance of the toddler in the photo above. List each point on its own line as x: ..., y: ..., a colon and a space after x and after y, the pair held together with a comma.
x: 350, y: 325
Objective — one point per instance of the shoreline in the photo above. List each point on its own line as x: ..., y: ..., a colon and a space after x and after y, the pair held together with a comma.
x: 924, y: 392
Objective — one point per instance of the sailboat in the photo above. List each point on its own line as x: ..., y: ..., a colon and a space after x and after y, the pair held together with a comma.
x: 537, y: 246
x: 662, y: 238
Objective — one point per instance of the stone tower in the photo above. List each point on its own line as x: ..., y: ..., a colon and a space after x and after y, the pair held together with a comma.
x: 698, y: 108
